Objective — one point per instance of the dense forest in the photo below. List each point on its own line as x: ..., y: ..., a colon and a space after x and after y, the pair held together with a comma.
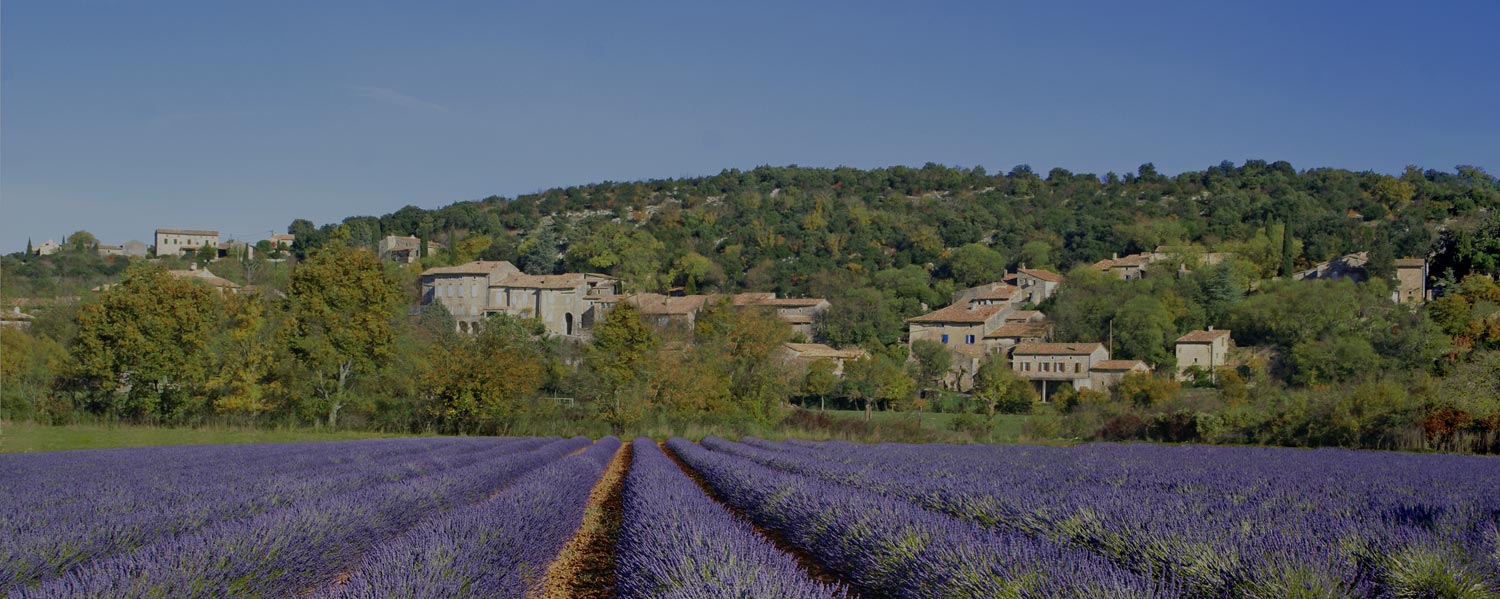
x: 1323, y: 362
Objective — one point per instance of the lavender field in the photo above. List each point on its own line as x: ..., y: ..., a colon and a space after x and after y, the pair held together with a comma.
x: 511, y: 517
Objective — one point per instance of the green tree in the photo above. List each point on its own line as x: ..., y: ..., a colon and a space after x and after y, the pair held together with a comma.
x: 480, y: 383
x: 933, y: 361
x: 998, y: 386
x: 618, y: 365
x: 976, y: 264
x: 243, y: 381
x: 742, y: 341
x: 820, y: 381
x: 143, y: 349
x: 1143, y: 326
x: 341, y: 310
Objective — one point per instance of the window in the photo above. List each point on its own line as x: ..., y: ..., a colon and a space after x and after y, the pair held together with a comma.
x: 945, y: 338
x: 1046, y: 367
x: 1077, y: 368
x: 969, y: 340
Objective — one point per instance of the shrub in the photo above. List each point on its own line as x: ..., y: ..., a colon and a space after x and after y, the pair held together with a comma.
x: 1123, y: 428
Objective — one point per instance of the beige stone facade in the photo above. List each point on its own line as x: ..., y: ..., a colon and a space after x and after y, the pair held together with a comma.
x: 1048, y: 365
x: 957, y: 326
x: 568, y: 304
x: 803, y: 354
x: 174, y: 242
x: 1036, y: 284
x: 1108, y: 373
x: 397, y: 248
x: 1411, y: 281
x: 1207, y: 350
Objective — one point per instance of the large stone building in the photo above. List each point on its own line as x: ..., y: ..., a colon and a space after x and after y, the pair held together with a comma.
x: 959, y: 326
x: 1037, y: 284
x: 405, y: 249
x: 799, y: 312
x: 1048, y: 365
x: 1207, y: 351
x: 568, y: 304
x: 174, y: 242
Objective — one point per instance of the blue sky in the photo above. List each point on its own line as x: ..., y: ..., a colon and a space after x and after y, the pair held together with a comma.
x: 123, y: 116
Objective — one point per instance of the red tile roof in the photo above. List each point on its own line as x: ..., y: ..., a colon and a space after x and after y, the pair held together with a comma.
x: 1056, y: 349
x: 1041, y: 273
x: 1020, y: 330
x: 962, y: 314
x: 1118, y: 365
x: 1203, y: 336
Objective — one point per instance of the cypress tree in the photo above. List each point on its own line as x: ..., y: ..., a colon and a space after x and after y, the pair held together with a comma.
x: 1286, y: 249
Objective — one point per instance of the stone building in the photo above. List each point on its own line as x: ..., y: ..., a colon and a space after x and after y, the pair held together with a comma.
x: 47, y: 248
x: 1048, y: 365
x: 203, y: 275
x: 1411, y: 281
x: 957, y: 326
x: 106, y: 250
x: 1108, y: 373
x: 1036, y: 284
x: 175, y: 242
x: 803, y: 354
x: 568, y: 304
x: 799, y: 312
x: 1207, y: 350
x: 1130, y: 267
x: 406, y: 249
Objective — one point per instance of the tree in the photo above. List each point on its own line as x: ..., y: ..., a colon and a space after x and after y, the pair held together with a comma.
x: 998, y: 386
x: 976, y: 264
x: 539, y: 255
x: 1145, y: 390
x: 341, y: 308
x: 144, y: 348
x: 619, y: 364
x: 481, y: 382
x: 741, y: 342
x: 246, y: 355
x: 1286, y: 250
x: 820, y: 381
x: 878, y: 378
x: 1143, y: 326
x: 933, y: 361
x: 83, y: 241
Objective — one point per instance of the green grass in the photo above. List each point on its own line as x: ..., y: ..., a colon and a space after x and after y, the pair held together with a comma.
x: 1007, y: 426
x: 20, y: 437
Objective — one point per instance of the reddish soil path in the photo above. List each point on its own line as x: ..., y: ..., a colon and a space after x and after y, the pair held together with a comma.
x: 585, y: 568
x: 805, y: 560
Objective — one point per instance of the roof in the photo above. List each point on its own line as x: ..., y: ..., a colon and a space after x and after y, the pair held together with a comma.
x: 568, y: 280
x: 966, y: 314
x: 1056, y: 349
x: 655, y: 304
x: 1025, y: 316
x: 1133, y: 260
x: 187, y: 232
x: 1020, y: 330
x: 1040, y: 273
x: 105, y: 246
x: 819, y: 350
x: 15, y: 314
x: 998, y: 292
x: 766, y: 298
x: 1203, y: 336
x: 1119, y: 365
x: 1410, y: 262
x: 203, y: 274
x: 480, y: 267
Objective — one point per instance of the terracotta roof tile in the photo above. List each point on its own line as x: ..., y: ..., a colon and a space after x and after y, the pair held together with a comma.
x: 1057, y: 349
x: 1041, y: 273
x: 1203, y: 336
x: 967, y: 314
x: 1117, y: 365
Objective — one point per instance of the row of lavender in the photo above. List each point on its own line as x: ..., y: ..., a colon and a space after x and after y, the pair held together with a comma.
x: 120, y: 500
x: 1217, y: 522
x: 676, y: 542
x: 889, y: 547
x: 266, y: 530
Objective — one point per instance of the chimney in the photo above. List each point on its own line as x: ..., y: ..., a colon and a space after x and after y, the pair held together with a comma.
x: 1114, y: 256
x: 193, y: 266
x: 1210, y: 328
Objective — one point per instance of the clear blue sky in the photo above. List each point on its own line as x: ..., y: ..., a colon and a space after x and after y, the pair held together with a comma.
x: 123, y: 116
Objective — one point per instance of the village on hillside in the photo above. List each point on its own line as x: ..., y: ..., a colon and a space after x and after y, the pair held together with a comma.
x: 997, y: 319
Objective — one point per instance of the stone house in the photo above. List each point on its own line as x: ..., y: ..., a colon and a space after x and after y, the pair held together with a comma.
x: 998, y: 292
x: 207, y: 277
x: 47, y: 248
x: 669, y: 311
x: 1108, y: 373
x: 176, y: 242
x: 1036, y: 284
x: 283, y: 240
x: 15, y: 319
x: 406, y: 249
x: 1348, y: 266
x: 106, y: 250
x: 957, y: 326
x: 803, y: 354
x: 1010, y: 334
x: 1411, y: 281
x: 799, y: 312
x: 1048, y: 365
x: 1207, y: 350
x: 1130, y: 267
x: 566, y: 303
